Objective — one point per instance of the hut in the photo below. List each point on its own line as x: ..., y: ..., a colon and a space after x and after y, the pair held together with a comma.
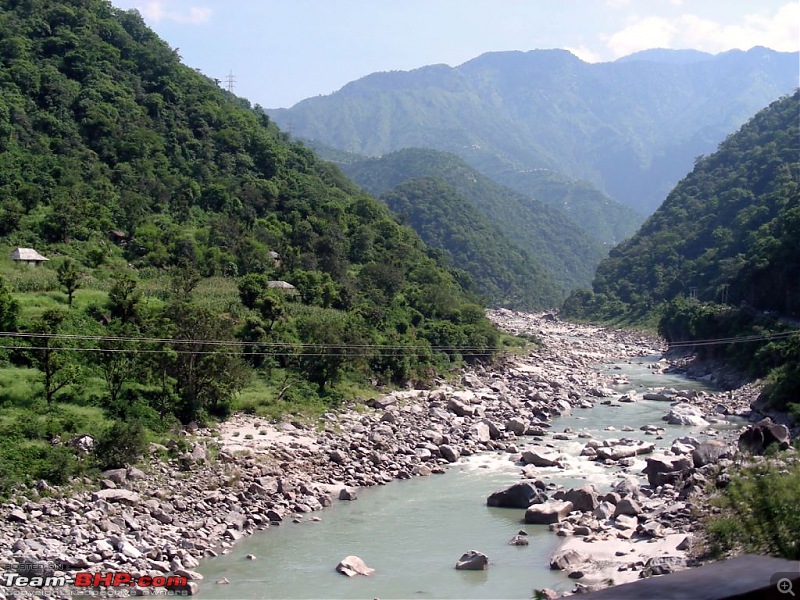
x: 28, y: 256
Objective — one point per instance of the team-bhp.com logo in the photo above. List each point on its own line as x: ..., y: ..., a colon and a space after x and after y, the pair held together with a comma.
x: 41, y: 575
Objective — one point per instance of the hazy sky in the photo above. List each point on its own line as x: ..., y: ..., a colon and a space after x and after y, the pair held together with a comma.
x: 282, y: 51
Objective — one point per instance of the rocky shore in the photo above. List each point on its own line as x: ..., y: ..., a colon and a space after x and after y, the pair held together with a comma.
x: 247, y: 474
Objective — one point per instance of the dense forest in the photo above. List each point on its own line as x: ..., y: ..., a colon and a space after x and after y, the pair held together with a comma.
x: 199, y: 259
x: 569, y: 254
x: 721, y: 257
x: 502, y: 273
x: 630, y: 127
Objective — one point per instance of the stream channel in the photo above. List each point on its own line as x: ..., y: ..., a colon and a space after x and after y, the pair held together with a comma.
x: 412, y: 532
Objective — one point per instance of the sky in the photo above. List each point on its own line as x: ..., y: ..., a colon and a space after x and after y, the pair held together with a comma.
x: 283, y: 51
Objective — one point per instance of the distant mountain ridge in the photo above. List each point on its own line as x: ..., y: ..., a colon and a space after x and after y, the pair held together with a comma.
x: 631, y: 127
x: 544, y: 232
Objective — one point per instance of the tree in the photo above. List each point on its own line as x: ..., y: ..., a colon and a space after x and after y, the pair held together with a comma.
x: 51, y: 356
x: 69, y: 276
x: 9, y: 308
x: 123, y: 297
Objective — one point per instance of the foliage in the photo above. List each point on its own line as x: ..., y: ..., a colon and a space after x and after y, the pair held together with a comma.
x: 526, y: 220
x: 502, y: 274
x: 69, y: 277
x: 120, y: 445
x: 759, y: 512
x: 9, y: 308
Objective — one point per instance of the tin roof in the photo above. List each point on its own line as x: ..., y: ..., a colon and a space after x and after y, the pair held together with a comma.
x: 27, y: 254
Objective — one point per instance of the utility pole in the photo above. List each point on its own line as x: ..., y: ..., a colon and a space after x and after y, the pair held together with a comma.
x: 230, y: 81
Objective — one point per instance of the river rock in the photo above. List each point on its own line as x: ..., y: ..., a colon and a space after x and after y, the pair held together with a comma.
x: 583, y: 498
x: 662, y: 565
x: 480, y: 432
x: 686, y: 414
x: 629, y: 507
x: 462, y: 409
x: 605, y: 510
x: 519, y: 540
x: 449, y: 453
x: 519, y: 495
x: 757, y: 438
x: 352, y: 566
x: 348, y: 494
x: 553, y: 511
x: 567, y: 559
x: 516, y: 426
x: 707, y: 453
x: 540, y: 457
x: 118, y: 496
x: 473, y: 561
x: 664, y: 469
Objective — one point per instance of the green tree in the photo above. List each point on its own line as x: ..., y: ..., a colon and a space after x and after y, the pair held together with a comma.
x: 70, y: 278
x: 51, y: 356
x: 9, y: 308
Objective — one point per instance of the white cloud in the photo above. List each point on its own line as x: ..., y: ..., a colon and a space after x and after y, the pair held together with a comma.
x: 585, y: 54
x: 778, y: 31
x: 617, y: 3
x: 157, y: 10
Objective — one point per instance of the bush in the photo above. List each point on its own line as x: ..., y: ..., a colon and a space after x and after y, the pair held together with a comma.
x: 120, y: 445
x: 759, y: 512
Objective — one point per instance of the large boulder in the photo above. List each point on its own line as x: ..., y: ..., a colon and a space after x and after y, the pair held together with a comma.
x: 449, y: 453
x: 472, y: 561
x: 118, y: 496
x: 352, y: 566
x: 553, y: 511
x: 686, y: 414
x: 541, y: 457
x: 516, y: 426
x: 567, y: 559
x: 519, y: 495
x: 662, y: 469
x: 480, y: 432
x: 757, y: 438
x: 460, y: 407
x: 707, y: 453
x: 583, y: 498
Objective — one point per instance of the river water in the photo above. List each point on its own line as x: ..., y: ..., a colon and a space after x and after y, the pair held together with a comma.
x: 412, y: 532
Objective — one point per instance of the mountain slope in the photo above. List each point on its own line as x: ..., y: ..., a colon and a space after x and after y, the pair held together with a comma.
x: 632, y: 128
x: 728, y: 231
x: 542, y: 231
x: 120, y: 162
x: 502, y: 273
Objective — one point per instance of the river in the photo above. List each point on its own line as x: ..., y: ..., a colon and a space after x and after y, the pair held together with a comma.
x: 412, y: 532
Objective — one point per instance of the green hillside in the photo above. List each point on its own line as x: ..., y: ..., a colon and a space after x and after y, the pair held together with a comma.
x: 721, y: 257
x: 166, y: 207
x: 552, y: 240
x: 501, y: 273
x: 631, y: 128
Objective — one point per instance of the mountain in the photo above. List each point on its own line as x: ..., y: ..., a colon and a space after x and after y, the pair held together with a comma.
x: 551, y: 239
x: 500, y: 272
x: 729, y: 229
x: 631, y: 128
x: 667, y: 55
x: 720, y: 259
x: 128, y: 168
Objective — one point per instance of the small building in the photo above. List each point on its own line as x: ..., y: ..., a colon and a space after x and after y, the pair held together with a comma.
x: 281, y: 285
x: 28, y: 256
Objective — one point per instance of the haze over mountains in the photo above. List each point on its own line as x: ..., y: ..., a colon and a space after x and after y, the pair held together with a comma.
x: 632, y: 127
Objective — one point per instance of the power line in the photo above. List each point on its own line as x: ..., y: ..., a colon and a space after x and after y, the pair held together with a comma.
x: 734, y: 340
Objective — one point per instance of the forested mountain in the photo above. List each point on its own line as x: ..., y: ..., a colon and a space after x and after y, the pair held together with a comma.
x: 721, y: 256
x: 173, y: 213
x: 500, y: 272
x: 551, y: 239
x: 632, y: 128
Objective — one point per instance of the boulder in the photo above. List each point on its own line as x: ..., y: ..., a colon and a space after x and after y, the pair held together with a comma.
x: 629, y: 507
x: 516, y: 426
x: 449, y: 453
x: 494, y: 430
x: 480, y: 432
x: 519, y: 495
x: 553, y: 511
x: 583, y: 498
x: 567, y: 559
x: 119, y: 496
x: 667, y: 469
x: 662, y: 565
x: 707, y: 453
x: 116, y: 475
x: 757, y: 438
x: 473, y: 561
x: 352, y: 566
x: 686, y: 414
x: 462, y: 409
x: 540, y: 457
x: 17, y: 516
x: 348, y: 494
x: 605, y: 510
x: 519, y: 540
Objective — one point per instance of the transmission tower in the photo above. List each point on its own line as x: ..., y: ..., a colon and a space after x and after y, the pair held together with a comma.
x: 230, y: 81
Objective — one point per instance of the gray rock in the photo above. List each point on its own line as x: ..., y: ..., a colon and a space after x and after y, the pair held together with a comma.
x: 663, y: 469
x: 473, y: 561
x: 567, y: 559
x: 516, y: 426
x: 118, y: 476
x: 117, y: 496
x: 583, y: 498
x: 449, y: 453
x: 629, y: 507
x: 348, y: 494
x: 519, y: 540
x: 707, y: 453
x: 480, y: 432
x: 540, y: 457
x: 553, y: 511
x: 519, y: 495
x: 16, y: 516
x: 605, y: 510
x: 686, y: 414
x: 757, y: 438
x: 352, y: 566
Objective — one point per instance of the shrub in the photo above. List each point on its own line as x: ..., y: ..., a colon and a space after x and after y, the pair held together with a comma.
x: 120, y: 445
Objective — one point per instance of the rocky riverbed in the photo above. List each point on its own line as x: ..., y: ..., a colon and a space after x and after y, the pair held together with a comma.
x: 247, y: 474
